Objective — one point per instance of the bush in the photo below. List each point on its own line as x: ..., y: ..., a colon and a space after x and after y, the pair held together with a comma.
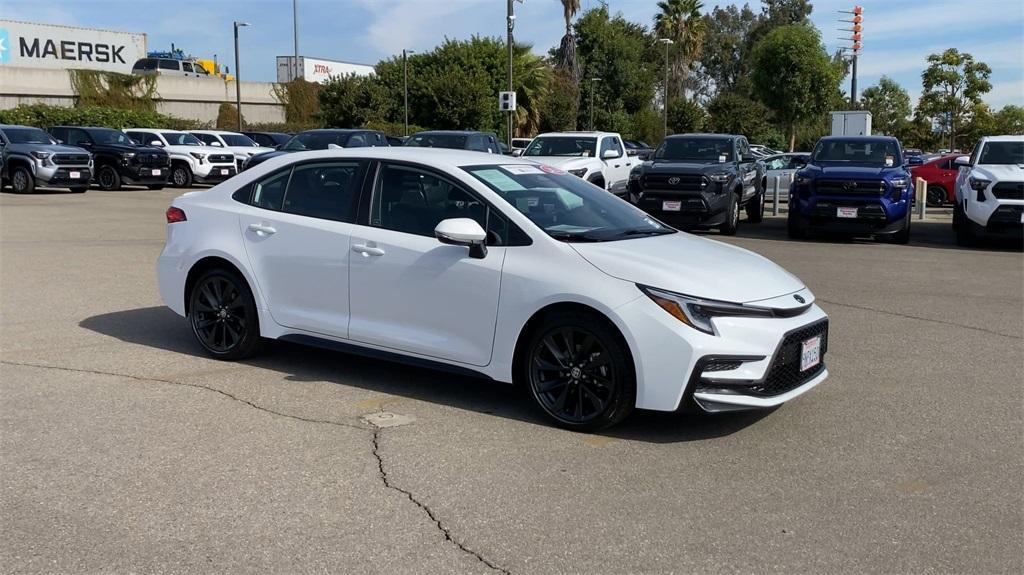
x: 227, y: 117
x: 44, y: 116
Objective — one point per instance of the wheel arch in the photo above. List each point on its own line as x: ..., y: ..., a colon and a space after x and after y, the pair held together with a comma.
x: 216, y: 261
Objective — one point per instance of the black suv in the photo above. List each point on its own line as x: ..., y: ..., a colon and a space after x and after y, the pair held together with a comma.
x: 117, y: 159
x: 269, y: 139
x: 322, y: 140
x: 486, y: 142
x: 700, y: 180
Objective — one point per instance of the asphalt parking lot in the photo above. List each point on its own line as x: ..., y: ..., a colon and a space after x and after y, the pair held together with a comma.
x: 124, y: 449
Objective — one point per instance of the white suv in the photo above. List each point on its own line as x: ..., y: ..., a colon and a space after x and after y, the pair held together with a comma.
x: 597, y: 157
x: 191, y: 160
x: 240, y: 145
x: 990, y: 190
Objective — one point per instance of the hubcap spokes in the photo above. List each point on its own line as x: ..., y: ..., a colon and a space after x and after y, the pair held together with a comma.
x: 219, y: 314
x: 572, y: 375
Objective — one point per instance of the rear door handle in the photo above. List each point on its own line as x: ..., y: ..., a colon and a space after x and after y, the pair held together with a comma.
x: 262, y: 229
x: 367, y: 251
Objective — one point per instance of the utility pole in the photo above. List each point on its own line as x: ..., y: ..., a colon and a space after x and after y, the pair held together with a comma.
x: 511, y: 24
x: 295, y: 36
x: 855, y: 37
x: 238, y: 77
x: 667, y: 42
x: 405, y: 73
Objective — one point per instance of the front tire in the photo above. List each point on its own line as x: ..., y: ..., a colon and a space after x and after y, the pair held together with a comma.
x: 108, y: 179
x: 181, y: 176
x: 579, y: 372
x: 732, y: 218
x: 964, y: 228
x: 903, y: 235
x: 222, y: 313
x: 22, y: 181
x: 755, y: 208
x: 795, y: 229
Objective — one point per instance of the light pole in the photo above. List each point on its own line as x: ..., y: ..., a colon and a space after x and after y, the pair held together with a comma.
x: 511, y: 23
x: 593, y: 88
x: 405, y: 73
x: 238, y: 78
x: 667, y: 42
x: 295, y: 37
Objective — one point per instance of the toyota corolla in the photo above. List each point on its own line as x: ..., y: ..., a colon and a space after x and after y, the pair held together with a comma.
x: 502, y: 268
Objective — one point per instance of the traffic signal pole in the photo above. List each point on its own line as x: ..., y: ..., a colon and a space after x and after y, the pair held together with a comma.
x: 855, y: 37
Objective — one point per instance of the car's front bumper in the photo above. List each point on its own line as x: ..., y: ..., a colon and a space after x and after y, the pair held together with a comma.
x: 874, y: 216
x: 214, y: 173
x: 62, y: 175
x: 696, y: 209
x: 145, y: 176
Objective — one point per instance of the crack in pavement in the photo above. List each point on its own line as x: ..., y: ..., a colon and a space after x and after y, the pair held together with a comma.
x: 928, y: 319
x: 383, y: 474
x: 376, y: 431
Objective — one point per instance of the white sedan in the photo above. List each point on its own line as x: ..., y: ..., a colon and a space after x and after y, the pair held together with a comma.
x: 499, y: 267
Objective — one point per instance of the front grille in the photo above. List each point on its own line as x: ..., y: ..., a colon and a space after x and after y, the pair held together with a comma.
x: 1009, y: 190
x: 71, y: 159
x: 1007, y: 215
x: 872, y: 211
x: 722, y: 365
x: 850, y: 187
x: 784, y: 374
x: 222, y: 159
x: 153, y: 159
x: 680, y: 182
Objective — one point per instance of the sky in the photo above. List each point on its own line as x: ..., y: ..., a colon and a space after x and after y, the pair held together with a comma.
x: 898, y: 35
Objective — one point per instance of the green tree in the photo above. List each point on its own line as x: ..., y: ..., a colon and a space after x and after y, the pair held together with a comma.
x: 559, y: 109
x: 724, y: 56
x: 1009, y: 121
x: 350, y: 101
x: 737, y: 113
x: 681, y: 22
x: 794, y: 76
x: 889, y: 105
x: 685, y: 116
x: 953, y: 84
x: 566, y: 56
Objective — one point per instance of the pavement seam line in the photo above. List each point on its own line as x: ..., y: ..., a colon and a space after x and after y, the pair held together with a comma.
x: 928, y: 319
x: 192, y: 385
x: 383, y: 474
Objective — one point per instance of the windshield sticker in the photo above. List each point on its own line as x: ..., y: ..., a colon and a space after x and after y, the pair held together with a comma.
x: 889, y: 160
x: 499, y: 180
x: 521, y: 170
x: 722, y: 158
x: 549, y: 170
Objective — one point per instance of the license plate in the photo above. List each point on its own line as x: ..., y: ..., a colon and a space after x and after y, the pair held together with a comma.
x: 224, y: 172
x: 156, y: 172
x: 810, y: 353
x: 846, y: 212
x: 672, y: 206
x: 75, y: 175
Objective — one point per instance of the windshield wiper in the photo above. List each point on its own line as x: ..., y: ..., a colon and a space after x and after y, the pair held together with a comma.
x: 574, y: 237
x: 636, y: 233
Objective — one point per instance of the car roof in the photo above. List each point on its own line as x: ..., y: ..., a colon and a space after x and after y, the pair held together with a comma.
x: 430, y: 156
x: 451, y: 132
x: 15, y: 126
x: 861, y: 138
x: 213, y: 132
x: 702, y: 135
x: 336, y: 131
x: 1002, y: 139
x: 575, y: 133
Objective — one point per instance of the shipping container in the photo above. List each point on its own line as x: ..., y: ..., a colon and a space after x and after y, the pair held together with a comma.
x: 31, y: 45
x: 318, y: 69
x: 851, y: 123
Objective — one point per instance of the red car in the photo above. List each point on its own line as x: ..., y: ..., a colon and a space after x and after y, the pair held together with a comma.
x: 940, y: 173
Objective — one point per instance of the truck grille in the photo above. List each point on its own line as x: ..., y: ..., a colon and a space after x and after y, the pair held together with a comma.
x: 1009, y: 190
x: 784, y: 374
x: 681, y: 182
x: 71, y: 159
x: 152, y: 159
x: 850, y: 187
x: 222, y: 158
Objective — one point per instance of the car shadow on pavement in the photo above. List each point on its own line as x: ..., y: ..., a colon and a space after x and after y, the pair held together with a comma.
x: 160, y: 328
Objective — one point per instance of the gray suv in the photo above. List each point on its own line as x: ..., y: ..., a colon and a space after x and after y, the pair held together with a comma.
x: 32, y: 158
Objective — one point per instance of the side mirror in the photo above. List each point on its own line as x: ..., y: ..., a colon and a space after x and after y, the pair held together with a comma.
x: 157, y: 143
x: 610, y: 154
x: 463, y: 232
x: 517, y: 153
x: 216, y: 144
x: 963, y: 161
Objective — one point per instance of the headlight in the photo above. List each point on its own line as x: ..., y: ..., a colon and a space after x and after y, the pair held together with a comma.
x: 198, y: 156
x: 979, y: 184
x: 634, y: 175
x: 720, y: 178
x: 578, y: 173
x: 898, y: 182
x: 802, y: 180
x: 697, y: 313
x: 41, y: 155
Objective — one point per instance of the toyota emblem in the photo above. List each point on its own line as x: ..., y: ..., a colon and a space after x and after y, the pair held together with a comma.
x: 673, y: 180
x: 849, y: 186
x: 799, y: 298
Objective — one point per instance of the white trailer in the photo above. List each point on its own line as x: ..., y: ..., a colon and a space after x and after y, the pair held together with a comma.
x: 851, y: 123
x: 317, y: 69
x: 54, y: 47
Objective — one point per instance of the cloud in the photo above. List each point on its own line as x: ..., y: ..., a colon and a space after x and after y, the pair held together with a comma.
x: 1005, y: 93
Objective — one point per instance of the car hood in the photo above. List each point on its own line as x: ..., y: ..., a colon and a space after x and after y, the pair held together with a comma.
x: 691, y: 265
x: 53, y: 148
x: 999, y: 172
x: 137, y: 150
x: 674, y: 167
x: 854, y: 172
x: 266, y: 156
x: 563, y: 162
x: 247, y: 151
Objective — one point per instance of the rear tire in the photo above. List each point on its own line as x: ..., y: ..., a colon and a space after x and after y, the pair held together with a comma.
x: 108, y: 179
x: 22, y: 181
x: 222, y: 313
x: 579, y: 373
x: 732, y: 217
x: 936, y: 196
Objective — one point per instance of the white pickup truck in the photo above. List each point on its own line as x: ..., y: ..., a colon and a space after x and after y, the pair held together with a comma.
x: 598, y: 157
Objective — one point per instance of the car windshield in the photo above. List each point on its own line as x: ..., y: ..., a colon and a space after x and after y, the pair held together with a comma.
x: 562, y: 146
x: 453, y: 141
x: 238, y: 140
x: 315, y: 141
x: 107, y: 136
x: 1002, y: 153
x: 27, y: 136
x: 566, y: 207
x: 882, y: 153
x: 695, y: 149
x: 181, y: 139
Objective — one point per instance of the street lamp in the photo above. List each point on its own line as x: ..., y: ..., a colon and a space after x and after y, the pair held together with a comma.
x: 405, y: 72
x: 593, y: 88
x: 667, y: 42
x: 238, y: 78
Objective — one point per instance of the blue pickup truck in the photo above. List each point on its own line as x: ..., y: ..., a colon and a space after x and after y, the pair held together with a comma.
x: 853, y: 185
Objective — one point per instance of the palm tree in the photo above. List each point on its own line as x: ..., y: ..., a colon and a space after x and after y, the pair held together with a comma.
x: 533, y: 76
x: 681, y: 22
x: 567, y: 49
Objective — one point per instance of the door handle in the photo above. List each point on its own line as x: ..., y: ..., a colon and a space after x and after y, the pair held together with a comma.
x: 367, y: 251
x: 262, y: 230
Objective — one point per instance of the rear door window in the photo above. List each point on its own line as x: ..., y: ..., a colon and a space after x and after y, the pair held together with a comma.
x: 269, y: 193
x: 169, y: 64
x: 186, y: 66
x: 327, y: 191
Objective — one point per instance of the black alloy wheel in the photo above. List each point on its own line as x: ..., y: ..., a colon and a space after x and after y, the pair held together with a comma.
x: 936, y: 196
x: 579, y: 375
x: 109, y: 179
x: 223, y: 315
